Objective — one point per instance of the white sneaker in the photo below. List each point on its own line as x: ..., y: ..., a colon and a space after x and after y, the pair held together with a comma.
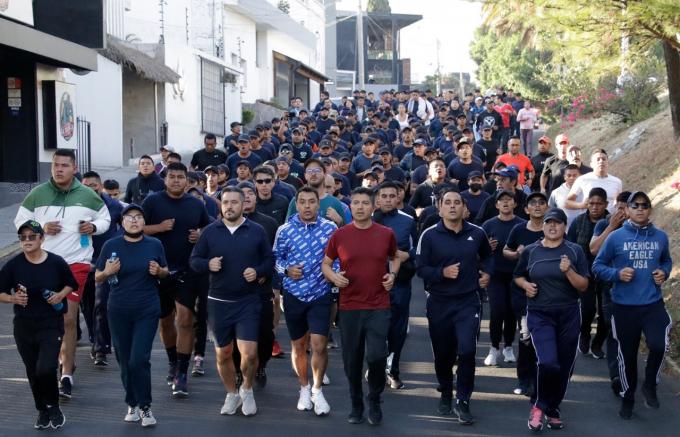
x: 509, y: 355
x: 326, y: 380
x: 492, y: 358
x: 132, y: 415
x: 321, y: 407
x: 147, y: 417
x: 231, y: 404
x: 249, y: 408
x: 305, y: 400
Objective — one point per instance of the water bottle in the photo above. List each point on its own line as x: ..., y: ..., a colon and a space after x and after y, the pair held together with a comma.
x: 113, y: 279
x: 49, y: 293
x: 84, y: 238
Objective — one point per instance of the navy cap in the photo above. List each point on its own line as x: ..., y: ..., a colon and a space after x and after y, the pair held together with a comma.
x: 384, y: 151
x: 461, y: 115
x: 243, y: 162
x: 282, y: 159
x: 266, y: 125
x: 475, y: 174
x: 246, y: 184
x: 635, y: 194
x: 537, y: 194
x: 201, y: 176
x: 508, y: 172
x: 191, y: 175
x: 370, y: 139
x: 210, y: 168
x: 127, y: 209
x: 325, y: 144
x: 502, y: 193
x: 419, y: 142
x: 297, y: 129
x: 34, y: 226
x: 345, y: 157
x: 285, y: 146
x: 253, y: 134
x: 244, y: 138
x: 555, y: 214
x: 223, y: 168
x: 337, y: 176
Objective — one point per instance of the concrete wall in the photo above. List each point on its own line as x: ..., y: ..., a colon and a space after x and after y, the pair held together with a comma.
x: 100, y: 101
x: 139, y: 117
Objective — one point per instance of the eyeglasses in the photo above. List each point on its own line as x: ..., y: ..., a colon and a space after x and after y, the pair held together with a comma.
x: 640, y: 205
x: 263, y: 181
x: 538, y: 202
x: 315, y: 170
x: 133, y: 218
x: 31, y: 237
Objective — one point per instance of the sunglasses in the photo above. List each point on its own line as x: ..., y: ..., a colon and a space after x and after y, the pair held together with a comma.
x: 31, y: 237
x: 263, y: 181
x: 639, y: 205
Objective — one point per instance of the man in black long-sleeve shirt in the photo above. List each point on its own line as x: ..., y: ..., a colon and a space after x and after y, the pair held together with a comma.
x: 237, y: 253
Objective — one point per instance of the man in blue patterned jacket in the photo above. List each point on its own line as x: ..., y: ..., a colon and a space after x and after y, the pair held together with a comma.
x: 299, y: 251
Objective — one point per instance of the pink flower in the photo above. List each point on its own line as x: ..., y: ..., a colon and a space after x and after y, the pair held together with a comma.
x: 676, y: 185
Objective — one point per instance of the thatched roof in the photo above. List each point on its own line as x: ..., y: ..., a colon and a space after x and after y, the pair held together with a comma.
x: 144, y: 65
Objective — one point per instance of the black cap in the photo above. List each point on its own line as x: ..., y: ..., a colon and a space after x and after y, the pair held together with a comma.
x: 419, y: 142
x: 234, y: 123
x: 502, y: 193
x: 324, y: 144
x: 635, y: 194
x: 285, y: 146
x: 200, y: 176
x: 244, y: 162
x: 244, y: 138
x: 461, y: 115
x: 191, y: 175
x: 370, y: 139
x: 475, y: 174
x: 384, y: 151
x: 345, y: 157
x: 131, y: 207
x: 337, y: 176
x: 253, y: 134
x: 555, y: 214
x: 224, y: 168
x: 32, y: 225
x: 537, y: 194
x: 296, y: 130
x: 210, y: 168
x: 246, y: 184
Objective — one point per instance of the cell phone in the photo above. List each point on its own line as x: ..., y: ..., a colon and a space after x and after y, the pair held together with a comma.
x: 21, y: 289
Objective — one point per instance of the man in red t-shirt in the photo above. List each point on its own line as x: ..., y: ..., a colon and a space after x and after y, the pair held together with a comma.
x: 519, y: 160
x: 364, y: 249
x: 506, y: 110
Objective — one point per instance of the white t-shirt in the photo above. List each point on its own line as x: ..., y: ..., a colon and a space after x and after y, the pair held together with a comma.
x: 558, y: 198
x: 611, y: 184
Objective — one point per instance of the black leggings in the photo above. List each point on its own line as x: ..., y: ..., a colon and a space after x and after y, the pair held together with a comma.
x: 502, y: 322
x: 39, y: 342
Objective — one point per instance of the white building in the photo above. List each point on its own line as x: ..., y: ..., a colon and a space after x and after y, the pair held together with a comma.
x: 173, y: 72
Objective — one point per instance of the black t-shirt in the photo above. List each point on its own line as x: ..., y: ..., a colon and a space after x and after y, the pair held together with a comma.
x: 188, y: 212
x: 499, y: 230
x: 558, y: 179
x: 521, y: 236
x: 538, y: 161
x: 275, y: 207
x: 52, y: 274
x: 202, y: 158
x: 424, y: 195
x: 491, y: 149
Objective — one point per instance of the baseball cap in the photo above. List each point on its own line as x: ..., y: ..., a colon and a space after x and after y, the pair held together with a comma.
x: 508, y: 172
x: 461, y: 115
x: 253, y: 134
x: 474, y: 174
x: 223, y: 168
x: 487, y: 125
x: 244, y: 138
x: 337, y: 177
x: 192, y: 176
x: 562, y: 138
x: 345, y: 157
x: 419, y: 142
x: 635, y: 194
x: 545, y: 139
x: 246, y: 184
x: 131, y: 207
x: 210, y: 168
x: 243, y: 162
x: 234, y: 124
x: 384, y: 151
x: 168, y: 148
x: 282, y: 159
x: 537, y: 194
x: 502, y: 193
x: 200, y: 176
x: 555, y: 214
x: 285, y: 146
x: 325, y: 144
x: 32, y: 225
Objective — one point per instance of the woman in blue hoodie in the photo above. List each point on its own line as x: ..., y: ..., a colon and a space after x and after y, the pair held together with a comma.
x: 636, y: 259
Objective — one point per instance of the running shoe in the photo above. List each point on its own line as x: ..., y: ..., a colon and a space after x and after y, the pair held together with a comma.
x: 445, y: 405
x: 375, y: 415
x: 43, y: 420
x: 277, y: 352
x: 305, y: 399
x: 179, y: 386
x: 147, y: 417
x: 535, y: 422
x: 553, y: 420
x: 651, y: 400
x: 198, y: 369
x: 462, y: 411
x: 249, y: 408
x: 492, y: 358
x: 596, y: 351
x: 584, y: 345
x: 260, y: 378
x: 626, y: 411
x: 509, y: 355
x: 321, y: 407
x: 394, y: 381
x: 231, y: 404
x: 132, y: 415
x: 617, y: 388
x: 356, y: 416
x: 57, y: 419
x: 332, y: 344
x: 100, y: 359
x: 65, y: 387
x: 172, y: 374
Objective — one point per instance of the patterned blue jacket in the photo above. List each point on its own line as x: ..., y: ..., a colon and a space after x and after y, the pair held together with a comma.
x: 303, y: 244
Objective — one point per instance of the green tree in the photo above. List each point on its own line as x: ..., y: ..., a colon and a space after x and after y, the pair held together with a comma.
x: 379, y: 6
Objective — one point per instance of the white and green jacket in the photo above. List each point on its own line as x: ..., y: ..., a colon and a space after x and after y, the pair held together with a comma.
x: 47, y: 203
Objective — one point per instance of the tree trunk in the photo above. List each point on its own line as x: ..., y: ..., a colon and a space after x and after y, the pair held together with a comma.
x: 672, y: 57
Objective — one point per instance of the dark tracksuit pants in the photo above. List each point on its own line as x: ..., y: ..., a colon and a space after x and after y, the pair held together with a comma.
x: 400, y: 300
x: 364, y: 332
x: 555, y: 334
x: 591, y: 305
x: 201, y: 322
x: 39, y: 343
x: 102, y: 335
x: 526, y: 355
x: 629, y: 322
x: 502, y: 322
x: 87, y: 306
x: 612, y: 349
x: 133, y: 333
x: 453, y: 324
x: 265, y: 339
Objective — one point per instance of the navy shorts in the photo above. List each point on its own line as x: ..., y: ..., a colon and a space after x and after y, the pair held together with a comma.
x: 238, y: 319
x: 303, y: 317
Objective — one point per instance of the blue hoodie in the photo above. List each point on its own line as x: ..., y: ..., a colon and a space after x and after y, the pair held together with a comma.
x: 645, y: 249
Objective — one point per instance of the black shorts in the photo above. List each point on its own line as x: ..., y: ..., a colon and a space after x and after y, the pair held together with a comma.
x: 238, y: 319
x: 184, y: 288
x: 303, y: 317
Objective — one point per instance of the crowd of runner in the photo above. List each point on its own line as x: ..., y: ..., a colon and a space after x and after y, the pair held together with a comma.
x: 325, y: 216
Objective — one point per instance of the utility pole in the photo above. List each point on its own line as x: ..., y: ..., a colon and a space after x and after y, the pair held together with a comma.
x: 461, y: 79
x: 360, y: 46
x: 439, y: 71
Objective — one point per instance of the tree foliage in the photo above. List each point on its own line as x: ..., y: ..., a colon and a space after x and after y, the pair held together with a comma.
x: 379, y: 6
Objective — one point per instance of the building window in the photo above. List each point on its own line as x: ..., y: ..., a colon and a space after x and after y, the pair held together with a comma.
x: 282, y: 82
x: 302, y: 88
x: 212, y: 98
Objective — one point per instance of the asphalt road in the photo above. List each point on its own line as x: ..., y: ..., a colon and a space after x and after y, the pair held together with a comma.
x: 97, y: 408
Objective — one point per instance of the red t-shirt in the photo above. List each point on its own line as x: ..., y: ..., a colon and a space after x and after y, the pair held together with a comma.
x: 522, y: 162
x: 363, y: 255
x: 505, y: 111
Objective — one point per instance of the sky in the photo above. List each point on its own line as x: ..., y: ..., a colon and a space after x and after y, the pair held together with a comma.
x: 452, y: 21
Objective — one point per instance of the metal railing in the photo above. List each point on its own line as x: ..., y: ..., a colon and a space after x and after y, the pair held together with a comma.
x: 83, y: 155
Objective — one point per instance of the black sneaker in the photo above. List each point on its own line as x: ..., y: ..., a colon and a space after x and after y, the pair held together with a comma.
x: 57, y: 419
x: 374, y: 413
x: 260, y: 378
x: 596, y: 351
x: 100, y: 359
x: 626, y: 411
x: 172, y: 373
x: 462, y: 411
x: 394, y: 381
x: 445, y: 408
x: 65, y: 388
x: 43, y: 420
x: 179, y: 387
x: 616, y: 386
x: 649, y: 392
x: 356, y: 416
x: 584, y: 345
